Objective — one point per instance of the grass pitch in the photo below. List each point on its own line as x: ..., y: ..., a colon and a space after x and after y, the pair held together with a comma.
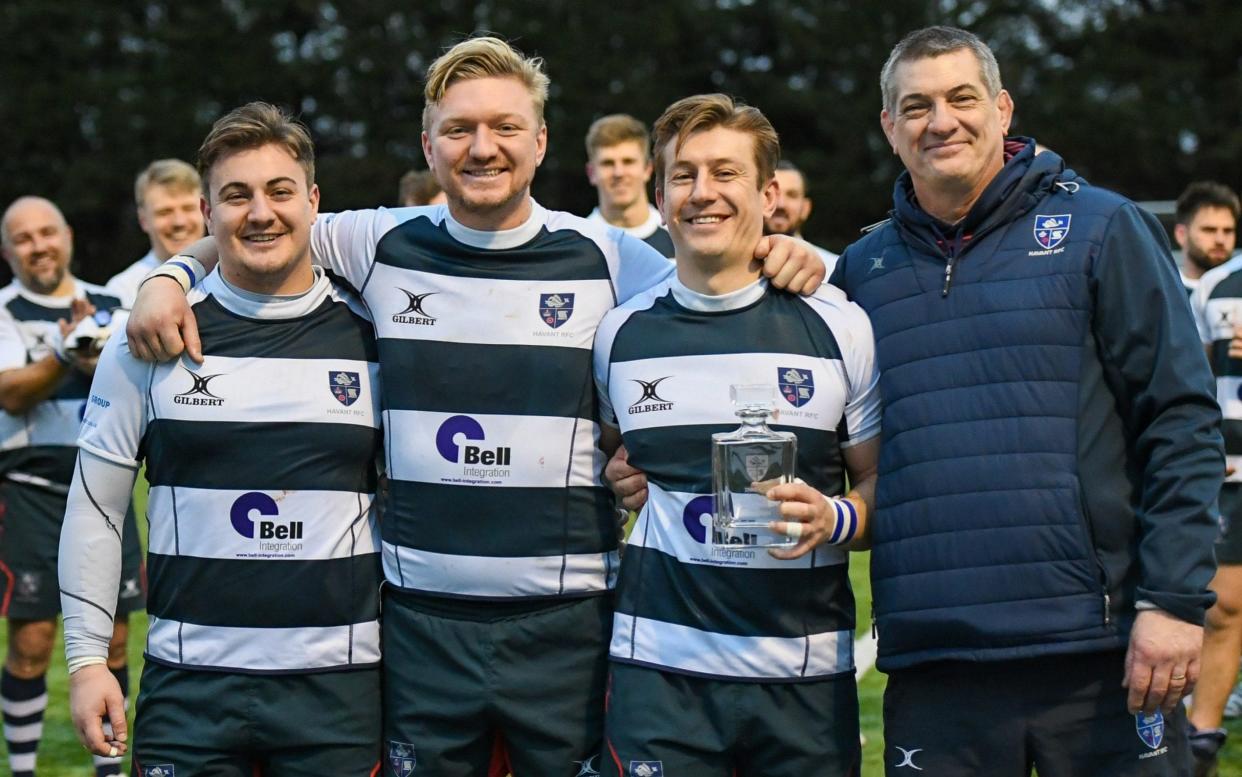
x: 60, y: 755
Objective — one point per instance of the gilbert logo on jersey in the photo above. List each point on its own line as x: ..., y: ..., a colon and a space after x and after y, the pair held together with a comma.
x: 414, y: 312
x: 650, y: 401
x: 200, y: 392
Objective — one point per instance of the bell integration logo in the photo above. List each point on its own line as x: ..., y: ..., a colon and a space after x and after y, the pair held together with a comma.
x: 699, y: 514
x: 274, y: 535
x: 453, y: 443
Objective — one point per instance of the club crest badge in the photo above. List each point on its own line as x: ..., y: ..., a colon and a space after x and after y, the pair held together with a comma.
x: 1150, y: 728
x: 555, y: 309
x: 797, y: 386
x: 646, y: 769
x: 28, y: 585
x: 756, y: 465
x: 345, y: 386
x: 1051, y: 230
x: 401, y: 758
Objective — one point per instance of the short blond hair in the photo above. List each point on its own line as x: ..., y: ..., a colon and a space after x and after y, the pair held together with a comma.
x: 172, y: 173
x: 708, y: 111
x: 484, y: 57
x: 255, y: 125
x: 614, y: 129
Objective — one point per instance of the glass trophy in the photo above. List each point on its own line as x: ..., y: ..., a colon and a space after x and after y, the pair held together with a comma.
x: 746, y: 464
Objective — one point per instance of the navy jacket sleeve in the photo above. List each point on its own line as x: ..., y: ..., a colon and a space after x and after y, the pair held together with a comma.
x: 1165, y: 393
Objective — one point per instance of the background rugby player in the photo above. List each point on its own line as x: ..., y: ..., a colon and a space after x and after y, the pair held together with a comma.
x: 43, y: 388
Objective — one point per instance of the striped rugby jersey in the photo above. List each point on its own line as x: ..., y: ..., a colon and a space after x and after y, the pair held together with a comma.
x: 264, y: 548
x: 492, y: 439
x: 38, y: 447
x: 1217, y: 305
x: 685, y: 604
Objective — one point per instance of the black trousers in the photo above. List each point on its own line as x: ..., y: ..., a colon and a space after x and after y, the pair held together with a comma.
x: 1063, y: 715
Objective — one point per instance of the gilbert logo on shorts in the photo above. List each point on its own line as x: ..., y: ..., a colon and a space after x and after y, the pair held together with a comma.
x: 646, y: 769
x: 160, y: 770
x: 200, y: 392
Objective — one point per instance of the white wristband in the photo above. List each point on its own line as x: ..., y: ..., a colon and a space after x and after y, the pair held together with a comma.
x: 83, y: 661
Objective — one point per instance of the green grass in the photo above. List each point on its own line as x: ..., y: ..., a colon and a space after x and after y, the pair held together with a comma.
x: 60, y: 755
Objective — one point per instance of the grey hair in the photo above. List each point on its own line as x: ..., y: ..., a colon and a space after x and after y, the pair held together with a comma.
x: 934, y: 42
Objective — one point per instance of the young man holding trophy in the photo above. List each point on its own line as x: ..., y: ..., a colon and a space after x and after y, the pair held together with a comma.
x: 734, y: 611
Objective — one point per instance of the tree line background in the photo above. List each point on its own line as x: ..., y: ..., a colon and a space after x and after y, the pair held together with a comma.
x: 1141, y: 96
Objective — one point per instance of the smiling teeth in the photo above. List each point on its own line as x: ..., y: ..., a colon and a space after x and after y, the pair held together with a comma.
x: 263, y: 238
x: 706, y: 220
x: 485, y: 173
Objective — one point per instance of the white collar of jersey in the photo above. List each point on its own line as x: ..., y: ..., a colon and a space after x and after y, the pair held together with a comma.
x: 642, y: 231
x: 48, y: 300
x: 500, y: 239
x: 149, y: 259
x: 263, y: 306
x: 719, y: 303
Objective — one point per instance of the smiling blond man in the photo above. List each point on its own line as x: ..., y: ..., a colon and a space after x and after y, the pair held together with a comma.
x: 619, y: 167
x: 166, y: 195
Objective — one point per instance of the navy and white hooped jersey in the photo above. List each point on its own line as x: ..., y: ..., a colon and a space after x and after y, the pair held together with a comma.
x: 664, y: 363
x: 1217, y: 305
x: 492, y: 436
x: 38, y: 447
x: 651, y: 231
x: 262, y: 461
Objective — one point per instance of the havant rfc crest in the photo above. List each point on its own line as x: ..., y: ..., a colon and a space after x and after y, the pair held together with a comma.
x: 1150, y: 728
x: 797, y: 386
x: 1051, y: 230
x: 555, y: 309
x: 401, y: 758
x: 345, y: 386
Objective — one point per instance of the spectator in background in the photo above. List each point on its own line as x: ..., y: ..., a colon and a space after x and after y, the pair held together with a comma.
x: 619, y: 167
x: 1206, y: 230
x: 419, y: 187
x: 793, y: 208
x: 43, y: 391
x: 1207, y: 216
x: 166, y: 194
